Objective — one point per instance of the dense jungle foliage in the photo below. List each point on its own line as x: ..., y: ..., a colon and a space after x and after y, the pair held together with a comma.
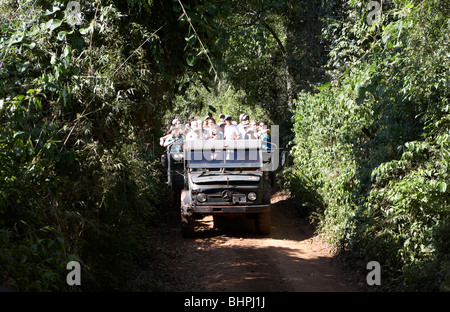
x: 371, y: 148
x: 86, y: 92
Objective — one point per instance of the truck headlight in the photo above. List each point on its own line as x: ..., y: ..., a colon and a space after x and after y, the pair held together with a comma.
x: 201, y: 197
x: 251, y: 196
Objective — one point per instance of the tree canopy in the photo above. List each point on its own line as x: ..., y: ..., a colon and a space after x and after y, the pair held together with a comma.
x: 88, y: 87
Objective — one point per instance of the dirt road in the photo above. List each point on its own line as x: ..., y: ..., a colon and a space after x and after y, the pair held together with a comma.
x: 290, y: 259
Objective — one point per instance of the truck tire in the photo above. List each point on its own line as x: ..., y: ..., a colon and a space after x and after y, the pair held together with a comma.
x: 187, y: 224
x: 262, y: 223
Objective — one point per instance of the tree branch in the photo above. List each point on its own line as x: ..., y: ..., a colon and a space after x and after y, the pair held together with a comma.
x: 273, y: 33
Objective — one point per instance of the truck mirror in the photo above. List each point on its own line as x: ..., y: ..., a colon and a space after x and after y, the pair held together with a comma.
x: 283, y: 158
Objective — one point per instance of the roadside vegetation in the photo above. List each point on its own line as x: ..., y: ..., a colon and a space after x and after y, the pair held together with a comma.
x: 86, y: 94
x: 371, y: 148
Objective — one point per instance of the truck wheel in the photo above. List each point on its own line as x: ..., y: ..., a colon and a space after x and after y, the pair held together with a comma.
x: 187, y: 224
x: 262, y: 223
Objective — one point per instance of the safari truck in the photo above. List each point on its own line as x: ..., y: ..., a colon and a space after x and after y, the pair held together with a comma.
x: 226, y: 178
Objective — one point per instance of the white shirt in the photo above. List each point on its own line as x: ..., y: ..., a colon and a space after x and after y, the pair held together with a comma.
x: 231, y: 132
x: 242, y: 131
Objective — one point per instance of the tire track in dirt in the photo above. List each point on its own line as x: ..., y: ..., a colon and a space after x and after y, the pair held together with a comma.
x: 289, y: 259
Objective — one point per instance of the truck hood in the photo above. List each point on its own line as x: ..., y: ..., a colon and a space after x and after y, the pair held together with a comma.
x: 209, y: 178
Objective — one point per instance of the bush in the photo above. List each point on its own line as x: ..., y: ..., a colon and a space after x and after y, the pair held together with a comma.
x: 79, y: 179
x: 374, y: 145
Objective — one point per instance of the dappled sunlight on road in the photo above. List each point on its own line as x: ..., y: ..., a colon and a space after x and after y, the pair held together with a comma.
x: 234, y: 258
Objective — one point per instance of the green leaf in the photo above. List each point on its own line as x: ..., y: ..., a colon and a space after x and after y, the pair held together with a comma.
x: 51, y: 24
x: 38, y: 103
x: 51, y: 11
x: 21, y: 67
x: 381, y: 91
x: 323, y: 86
x: 191, y: 60
x: 18, y: 133
x: 55, y: 24
x: 61, y: 35
x: 84, y: 31
x: 360, y: 99
x: 361, y: 91
x: 202, y: 51
x: 53, y: 59
x: 19, y: 98
x: 443, y: 187
x: 16, y: 38
x: 212, y: 9
x: 66, y: 51
x: 192, y: 39
x: 372, y: 89
x: 30, y: 46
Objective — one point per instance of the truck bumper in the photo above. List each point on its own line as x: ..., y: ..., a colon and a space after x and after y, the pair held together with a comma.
x: 226, y: 209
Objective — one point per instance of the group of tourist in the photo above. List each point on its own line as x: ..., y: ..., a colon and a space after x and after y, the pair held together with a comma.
x: 209, y: 129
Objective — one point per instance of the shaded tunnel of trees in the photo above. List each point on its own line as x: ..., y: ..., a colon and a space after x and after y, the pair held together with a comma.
x: 361, y: 94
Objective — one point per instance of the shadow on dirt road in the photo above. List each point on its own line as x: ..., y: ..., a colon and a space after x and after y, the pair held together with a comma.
x: 290, y: 259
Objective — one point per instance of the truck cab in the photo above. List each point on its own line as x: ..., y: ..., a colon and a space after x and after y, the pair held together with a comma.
x: 225, y: 178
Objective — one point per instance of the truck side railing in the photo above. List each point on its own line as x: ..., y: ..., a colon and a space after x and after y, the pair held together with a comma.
x: 254, y: 153
x: 223, y: 154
